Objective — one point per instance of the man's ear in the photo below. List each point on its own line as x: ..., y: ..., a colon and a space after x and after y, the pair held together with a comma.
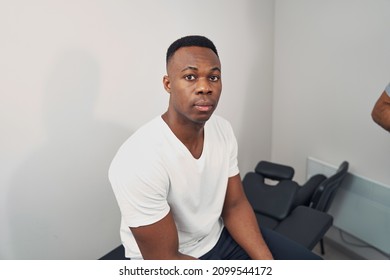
x: 167, y: 83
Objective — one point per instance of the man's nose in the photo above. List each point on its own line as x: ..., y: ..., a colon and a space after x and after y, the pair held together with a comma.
x: 203, y: 86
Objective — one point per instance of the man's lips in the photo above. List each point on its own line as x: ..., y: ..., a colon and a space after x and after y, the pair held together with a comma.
x: 203, y: 107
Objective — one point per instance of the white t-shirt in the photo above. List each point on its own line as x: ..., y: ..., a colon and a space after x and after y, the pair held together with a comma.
x: 154, y: 173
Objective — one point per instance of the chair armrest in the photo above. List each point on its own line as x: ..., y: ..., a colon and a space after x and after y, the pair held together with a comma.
x: 306, y: 191
x: 274, y: 171
x: 273, y: 201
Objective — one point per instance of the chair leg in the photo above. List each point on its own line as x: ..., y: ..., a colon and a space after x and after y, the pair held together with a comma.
x: 322, y: 246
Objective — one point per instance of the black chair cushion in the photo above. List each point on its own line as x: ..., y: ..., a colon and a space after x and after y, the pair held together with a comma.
x: 265, y: 221
x: 306, y: 226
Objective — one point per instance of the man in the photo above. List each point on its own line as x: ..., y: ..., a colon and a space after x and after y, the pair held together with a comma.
x: 176, y: 179
x: 381, y: 111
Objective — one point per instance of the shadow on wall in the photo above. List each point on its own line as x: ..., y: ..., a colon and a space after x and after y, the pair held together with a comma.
x: 61, y: 204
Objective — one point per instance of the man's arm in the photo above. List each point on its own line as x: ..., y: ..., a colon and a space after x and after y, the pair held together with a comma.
x: 240, y: 221
x: 159, y: 241
x: 381, y: 111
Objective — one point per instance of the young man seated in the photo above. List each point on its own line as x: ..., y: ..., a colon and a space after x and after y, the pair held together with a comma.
x: 176, y: 179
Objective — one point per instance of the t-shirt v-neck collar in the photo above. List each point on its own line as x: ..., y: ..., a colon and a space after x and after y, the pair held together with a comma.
x: 181, y: 144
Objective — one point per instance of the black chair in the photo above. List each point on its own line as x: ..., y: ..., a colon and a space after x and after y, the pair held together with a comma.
x: 279, y: 172
x: 324, y: 195
x: 295, y: 211
x: 116, y: 254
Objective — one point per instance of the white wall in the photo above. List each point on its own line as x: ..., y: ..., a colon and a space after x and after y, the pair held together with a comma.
x: 331, y: 64
x: 78, y: 77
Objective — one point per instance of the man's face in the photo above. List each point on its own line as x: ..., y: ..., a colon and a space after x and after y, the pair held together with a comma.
x: 194, y: 84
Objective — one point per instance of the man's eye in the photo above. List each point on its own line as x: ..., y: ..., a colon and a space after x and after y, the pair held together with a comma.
x: 214, y: 78
x: 190, y: 77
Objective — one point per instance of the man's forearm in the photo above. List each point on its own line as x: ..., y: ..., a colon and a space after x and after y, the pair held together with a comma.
x: 381, y: 111
x: 242, y: 226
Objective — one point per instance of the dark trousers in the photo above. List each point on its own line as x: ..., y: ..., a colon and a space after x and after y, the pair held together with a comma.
x: 280, y: 247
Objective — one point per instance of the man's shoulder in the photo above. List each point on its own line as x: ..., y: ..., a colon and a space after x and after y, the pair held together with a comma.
x: 141, y: 143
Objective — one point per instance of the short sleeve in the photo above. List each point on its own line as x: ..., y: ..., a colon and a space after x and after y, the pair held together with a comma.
x: 141, y: 189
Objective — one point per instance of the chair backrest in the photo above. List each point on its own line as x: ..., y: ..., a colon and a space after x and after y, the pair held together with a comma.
x: 326, y: 191
x: 274, y: 201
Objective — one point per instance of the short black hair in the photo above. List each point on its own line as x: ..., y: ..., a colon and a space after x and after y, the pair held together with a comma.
x: 190, y: 41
